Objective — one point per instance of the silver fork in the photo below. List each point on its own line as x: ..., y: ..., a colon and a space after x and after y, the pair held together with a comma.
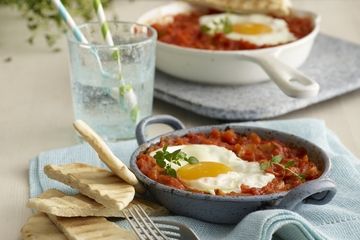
x: 147, y: 229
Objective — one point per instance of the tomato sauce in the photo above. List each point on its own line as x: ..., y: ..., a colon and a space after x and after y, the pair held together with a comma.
x: 185, y: 31
x: 250, y: 147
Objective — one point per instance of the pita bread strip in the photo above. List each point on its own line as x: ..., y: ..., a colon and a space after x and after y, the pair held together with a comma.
x: 106, y: 155
x: 39, y: 227
x: 96, y: 183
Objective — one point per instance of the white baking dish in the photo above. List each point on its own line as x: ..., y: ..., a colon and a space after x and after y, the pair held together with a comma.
x: 236, y: 67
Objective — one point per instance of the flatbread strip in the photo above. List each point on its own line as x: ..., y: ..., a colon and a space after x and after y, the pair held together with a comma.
x: 278, y: 7
x: 96, y: 183
x: 107, y: 156
x: 39, y: 227
x: 90, y: 228
x: 58, y: 203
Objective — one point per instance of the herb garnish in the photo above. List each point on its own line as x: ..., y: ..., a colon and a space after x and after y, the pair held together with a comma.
x: 227, y: 26
x: 204, y: 29
x: 275, y: 160
x: 223, y: 25
x: 164, y: 159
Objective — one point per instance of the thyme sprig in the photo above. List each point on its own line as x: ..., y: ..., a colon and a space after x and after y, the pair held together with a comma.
x: 42, y: 17
x: 276, y: 160
x: 164, y: 159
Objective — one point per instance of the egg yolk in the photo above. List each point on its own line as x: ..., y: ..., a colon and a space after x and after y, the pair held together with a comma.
x: 251, y: 28
x: 202, y: 169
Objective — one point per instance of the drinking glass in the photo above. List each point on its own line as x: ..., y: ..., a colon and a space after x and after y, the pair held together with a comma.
x: 112, y: 86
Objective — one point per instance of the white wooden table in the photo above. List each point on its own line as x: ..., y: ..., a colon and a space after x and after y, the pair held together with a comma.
x: 35, y: 102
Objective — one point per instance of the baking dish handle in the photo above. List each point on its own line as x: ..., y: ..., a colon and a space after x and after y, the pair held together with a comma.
x: 173, y: 122
x: 318, y: 192
x: 290, y: 80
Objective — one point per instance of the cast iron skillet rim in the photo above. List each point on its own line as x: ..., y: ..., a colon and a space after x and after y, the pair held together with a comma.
x: 201, y: 196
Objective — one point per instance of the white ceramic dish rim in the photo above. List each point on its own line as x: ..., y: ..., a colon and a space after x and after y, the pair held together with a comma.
x: 316, y: 28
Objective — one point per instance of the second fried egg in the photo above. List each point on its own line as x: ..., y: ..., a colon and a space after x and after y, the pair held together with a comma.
x: 258, y: 29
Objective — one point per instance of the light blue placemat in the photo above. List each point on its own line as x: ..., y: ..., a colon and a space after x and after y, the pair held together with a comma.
x: 340, y: 219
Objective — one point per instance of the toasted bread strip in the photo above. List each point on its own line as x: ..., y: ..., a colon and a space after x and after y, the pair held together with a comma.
x: 278, y: 7
x: 107, y: 156
x: 96, y: 183
x: 89, y: 228
x: 57, y: 203
x: 39, y: 227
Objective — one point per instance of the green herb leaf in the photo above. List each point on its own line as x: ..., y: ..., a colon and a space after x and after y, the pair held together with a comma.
x: 302, y: 177
x: 160, y: 162
x: 165, y: 149
x: 165, y: 159
x: 192, y: 160
x: 159, y: 155
x: 174, y: 155
x: 265, y: 165
x: 181, y: 155
x: 227, y: 26
x: 204, y: 29
x: 289, y: 164
x: 171, y: 172
x: 276, y: 159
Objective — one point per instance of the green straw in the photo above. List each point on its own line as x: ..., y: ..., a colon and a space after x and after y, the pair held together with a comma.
x: 125, y: 90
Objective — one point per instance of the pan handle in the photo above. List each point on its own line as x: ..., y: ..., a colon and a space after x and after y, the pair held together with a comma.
x: 290, y: 80
x: 318, y: 192
x: 165, y: 119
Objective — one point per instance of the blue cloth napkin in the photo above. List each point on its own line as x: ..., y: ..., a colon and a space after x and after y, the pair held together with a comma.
x: 340, y: 219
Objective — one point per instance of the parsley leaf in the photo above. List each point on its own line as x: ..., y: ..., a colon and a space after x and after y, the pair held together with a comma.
x: 164, y: 159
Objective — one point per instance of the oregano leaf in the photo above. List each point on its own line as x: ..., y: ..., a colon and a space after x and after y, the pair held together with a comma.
x: 276, y: 159
x: 192, y: 160
x: 289, y: 164
x: 265, y: 165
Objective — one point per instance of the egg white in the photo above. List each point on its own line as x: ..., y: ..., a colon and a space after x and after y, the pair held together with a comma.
x: 243, y: 172
x: 280, y: 32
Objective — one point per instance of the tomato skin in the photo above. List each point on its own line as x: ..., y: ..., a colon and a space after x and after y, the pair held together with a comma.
x: 171, y: 181
x: 229, y: 136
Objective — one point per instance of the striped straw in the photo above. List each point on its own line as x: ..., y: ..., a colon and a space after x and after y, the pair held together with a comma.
x: 70, y: 22
x: 125, y: 90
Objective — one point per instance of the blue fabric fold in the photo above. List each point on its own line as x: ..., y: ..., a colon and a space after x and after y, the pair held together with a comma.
x: 339, y: 219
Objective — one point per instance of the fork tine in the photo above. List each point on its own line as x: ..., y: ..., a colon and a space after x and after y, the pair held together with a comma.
x: 146, y: 224
x: 141, y: 224
x: 132, y: 225
x: 151, y: 222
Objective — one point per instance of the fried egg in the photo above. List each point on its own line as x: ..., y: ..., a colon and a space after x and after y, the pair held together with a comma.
x: 218, y: 169
x: 254, y: 28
